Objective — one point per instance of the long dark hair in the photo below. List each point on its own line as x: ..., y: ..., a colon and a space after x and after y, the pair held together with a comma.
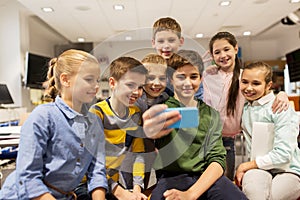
x: 235, y: 86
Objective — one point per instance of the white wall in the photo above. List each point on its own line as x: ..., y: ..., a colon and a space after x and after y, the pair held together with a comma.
x: 10, y: 58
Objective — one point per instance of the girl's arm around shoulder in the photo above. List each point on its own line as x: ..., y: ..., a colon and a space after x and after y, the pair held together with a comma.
x: 281, y: 102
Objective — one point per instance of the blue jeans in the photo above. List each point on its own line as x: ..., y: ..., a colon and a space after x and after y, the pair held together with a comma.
x: 228, y: 143
x: 222, y: 189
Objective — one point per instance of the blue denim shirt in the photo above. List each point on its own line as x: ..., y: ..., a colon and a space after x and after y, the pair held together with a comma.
x: 59, y: 146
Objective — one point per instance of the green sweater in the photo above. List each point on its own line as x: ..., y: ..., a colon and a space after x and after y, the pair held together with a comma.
x: 191, y: 150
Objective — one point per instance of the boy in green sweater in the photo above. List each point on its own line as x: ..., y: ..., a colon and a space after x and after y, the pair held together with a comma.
x: 191, y: 161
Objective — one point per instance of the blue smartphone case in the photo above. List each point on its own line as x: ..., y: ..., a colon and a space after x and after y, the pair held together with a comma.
x: 189, y: 117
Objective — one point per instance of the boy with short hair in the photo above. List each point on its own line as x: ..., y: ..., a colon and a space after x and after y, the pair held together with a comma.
x: 120, y: 118
x: 191, y: 161
x: 166, y: 38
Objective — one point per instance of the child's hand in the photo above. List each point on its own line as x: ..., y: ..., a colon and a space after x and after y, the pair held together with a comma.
x: 239, y: 176
x: 281, y: 103
x: 140, y: 196
x: 178, y: 195
x: 212, y: 69
x: 156, y: 122
x: 137, y: 191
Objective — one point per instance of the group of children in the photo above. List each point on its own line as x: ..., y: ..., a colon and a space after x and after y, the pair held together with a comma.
x: 112, y: 146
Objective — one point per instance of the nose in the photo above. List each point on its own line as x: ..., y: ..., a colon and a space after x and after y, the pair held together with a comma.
x: 156, y: 81
x: 166, y: 45
x: 187, y: 81
x: 135, y: 91
x: 249, y: 87
x: 222, y: 54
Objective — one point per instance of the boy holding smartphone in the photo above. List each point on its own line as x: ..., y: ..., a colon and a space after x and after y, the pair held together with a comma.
x: 191, y: 161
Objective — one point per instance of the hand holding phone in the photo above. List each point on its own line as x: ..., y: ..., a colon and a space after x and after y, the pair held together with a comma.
x: 189, y: 117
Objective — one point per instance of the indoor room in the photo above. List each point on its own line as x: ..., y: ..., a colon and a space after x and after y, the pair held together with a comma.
x: 33, y: 32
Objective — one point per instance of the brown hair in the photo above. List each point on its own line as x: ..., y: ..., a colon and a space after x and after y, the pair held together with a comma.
x: 175, y: 62
x: 193, y: 57
x: 153, y: 58
x: 234, y: 87
x: 166, y: 23
x: 68, y: 62
x: 267, y: 68
x: 121, y: 65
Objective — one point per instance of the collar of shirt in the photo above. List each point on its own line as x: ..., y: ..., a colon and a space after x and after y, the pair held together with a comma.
x: 263, y: 100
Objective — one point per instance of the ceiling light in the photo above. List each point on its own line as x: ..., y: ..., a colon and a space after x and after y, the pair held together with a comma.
x: 225, y: 3
x: 128, y: 38
x: 294, y: 1
x: 247, y: 33
x: 80, y: 39
x: 47, y: 9
x: 119, y: 7
x: 199, y: 35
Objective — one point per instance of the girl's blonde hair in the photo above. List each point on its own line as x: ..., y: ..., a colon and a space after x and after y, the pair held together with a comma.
x: 68, y: 62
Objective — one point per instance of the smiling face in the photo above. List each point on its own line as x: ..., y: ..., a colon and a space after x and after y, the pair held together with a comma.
x: 224, y: 54
x: 253, y: 84
x: 84, y: 86
x: 156, y: 80
x: 166, y: 43
x: 186, y: 81
x: 126, y: 90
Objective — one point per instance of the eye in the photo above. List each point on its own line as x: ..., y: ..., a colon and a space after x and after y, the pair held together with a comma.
x: 131, y: 85
x: 195, y: 76
x: 256, y: 83
x: 180, y: 77
x: 172, y: 40
x: 89, y: 80
x: 216, y: 52
x: 244, y: 81
x: 150, y: 78
x: 162, y: 79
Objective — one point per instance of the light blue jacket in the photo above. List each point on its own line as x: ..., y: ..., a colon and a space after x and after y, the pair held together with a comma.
x: 286, y: 126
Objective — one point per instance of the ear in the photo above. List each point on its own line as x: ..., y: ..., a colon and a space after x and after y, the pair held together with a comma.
x: 112, y: 82
x: 64, y: 80
x: 269, y: 85
x: 236, y: 49
x: 153, y: 43
x: 181, y: 41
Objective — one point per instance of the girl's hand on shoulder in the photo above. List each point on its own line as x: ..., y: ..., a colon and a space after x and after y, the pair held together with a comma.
x: 281, y: 103
x: 178, y: 195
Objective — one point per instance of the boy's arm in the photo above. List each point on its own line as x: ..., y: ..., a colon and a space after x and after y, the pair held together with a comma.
x: 212, y: 173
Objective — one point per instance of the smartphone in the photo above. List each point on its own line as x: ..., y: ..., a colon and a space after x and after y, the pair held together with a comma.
x: 189, y: 117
